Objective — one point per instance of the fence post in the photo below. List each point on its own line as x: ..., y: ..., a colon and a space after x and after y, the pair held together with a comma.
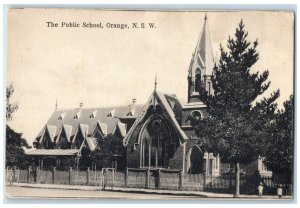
x: 126, y: 178
x: 70, y: 175
x: 53, y: 175
x: 237, y: 180
x: 37, y: 179
x: 14, y: 173
x: 148, y: 178
x: 88, y: 176
x: 158, y: 179
x: 180, y: 180
x: 104, y: 177
x: 29, y: 174
x: 18, y: 174
x: 204, y: 179
x: 6, y: 175
x: 113, y: 178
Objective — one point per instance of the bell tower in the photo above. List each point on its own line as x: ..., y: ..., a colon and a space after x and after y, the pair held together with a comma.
x: 201, y: 66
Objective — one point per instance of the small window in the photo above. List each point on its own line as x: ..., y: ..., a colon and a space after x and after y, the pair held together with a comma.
x: 131, y: 113
x: 77, y: 116
x: 62, y: 116
x: 196, y: 115
x: 111, y: 113
x: 93, y: 115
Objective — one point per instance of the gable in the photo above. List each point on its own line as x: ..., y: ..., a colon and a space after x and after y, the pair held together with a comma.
x: 121, y: 129
x: 155, y: 99
x: 89, y: 117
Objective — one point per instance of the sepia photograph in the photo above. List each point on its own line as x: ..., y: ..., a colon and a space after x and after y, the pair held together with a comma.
x: 149, y: 104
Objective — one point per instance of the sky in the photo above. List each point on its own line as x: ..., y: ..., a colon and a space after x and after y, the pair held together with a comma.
x: 109, y: 67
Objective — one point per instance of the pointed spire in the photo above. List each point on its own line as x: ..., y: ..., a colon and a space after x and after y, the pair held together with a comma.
x: 202, y: 63
x: 155, y: 82
x: 56, y: 105
x: 203, y: 57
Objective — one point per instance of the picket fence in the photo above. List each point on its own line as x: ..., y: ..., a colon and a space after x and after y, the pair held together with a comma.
x: 108, y: 178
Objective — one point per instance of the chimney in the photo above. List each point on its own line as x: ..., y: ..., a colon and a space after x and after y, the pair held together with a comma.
x: 133, y: 101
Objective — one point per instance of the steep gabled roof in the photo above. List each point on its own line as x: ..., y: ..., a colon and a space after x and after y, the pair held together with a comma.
x: 162, y: 98
x: 68, y: 131
x: 84, y: 129
x: 99, y: 115
x: 51, y: 131
x: 122, y: 128
x: 102, y: 127
x: 157, y: 97
x: 92, y: 143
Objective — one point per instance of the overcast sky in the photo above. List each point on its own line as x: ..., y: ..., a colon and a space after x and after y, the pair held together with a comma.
x: 108, y: 67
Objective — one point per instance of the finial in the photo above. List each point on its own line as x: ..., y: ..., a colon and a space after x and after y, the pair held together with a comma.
x: 155, y: 82
x: 133, y: 101
x: 81, y: 104
x: 205, y: 18
x: 56, y: 105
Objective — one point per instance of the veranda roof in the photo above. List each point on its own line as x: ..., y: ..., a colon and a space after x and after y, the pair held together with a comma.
x: 53, y: 152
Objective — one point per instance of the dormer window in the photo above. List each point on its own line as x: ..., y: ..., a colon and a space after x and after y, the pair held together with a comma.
x: 77, y: 116
x: 131, y: 113
x: 62, y: 116
x: 103, y: 128
x: 93, y: 115
x: 111, y: 113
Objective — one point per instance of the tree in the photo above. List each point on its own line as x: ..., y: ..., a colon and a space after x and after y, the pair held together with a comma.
x: 235, y: 127
x: 110, y: 147
x: 10, y: 107
x: 15, y: 154
x: 279, y: 154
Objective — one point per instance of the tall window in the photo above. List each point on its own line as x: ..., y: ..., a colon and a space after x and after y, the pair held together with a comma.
x: 155, y: 144
x: 196, y: 161
x: 197, y: 80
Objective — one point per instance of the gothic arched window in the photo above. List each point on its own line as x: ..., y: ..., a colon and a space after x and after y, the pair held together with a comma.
x: 197, y: 80
x: 155, y: 144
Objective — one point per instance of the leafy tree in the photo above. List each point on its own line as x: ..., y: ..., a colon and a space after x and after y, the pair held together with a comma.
x: 110, y: 147
x: 279, y: 154
x: 15, y: 154
x: 235, y: 127
x: 10, y: 107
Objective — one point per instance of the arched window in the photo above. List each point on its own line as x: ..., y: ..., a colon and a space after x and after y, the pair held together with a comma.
x: 195, y: 161
x: 155, y: 144
x: 196, y: 115
x: 197, y: 80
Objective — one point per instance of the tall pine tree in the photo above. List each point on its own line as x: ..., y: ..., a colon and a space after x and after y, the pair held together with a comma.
x: 236, y: 127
